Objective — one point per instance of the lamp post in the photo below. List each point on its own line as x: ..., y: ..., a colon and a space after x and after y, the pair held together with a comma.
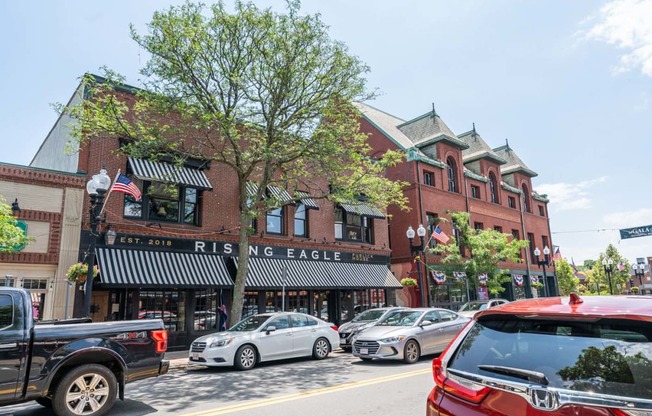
x: 418, y: 250
x: 96, y: 188
x: 608, y: 266
x: 543, y: 263
x: 639, y: 271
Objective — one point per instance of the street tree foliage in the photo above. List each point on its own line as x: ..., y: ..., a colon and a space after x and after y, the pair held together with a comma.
x: 597, y: 277
x: 566, y: 278
x: 269, y: 95
x: 486, y: 250
x: 10, y: 234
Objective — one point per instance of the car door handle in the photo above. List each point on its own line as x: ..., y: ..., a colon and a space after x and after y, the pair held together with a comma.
x: 8, y: 346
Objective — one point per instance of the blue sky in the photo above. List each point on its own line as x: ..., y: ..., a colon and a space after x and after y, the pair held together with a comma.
x: 568, y: 83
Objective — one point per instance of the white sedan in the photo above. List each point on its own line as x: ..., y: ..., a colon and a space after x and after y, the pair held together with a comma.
x: 266, y: 337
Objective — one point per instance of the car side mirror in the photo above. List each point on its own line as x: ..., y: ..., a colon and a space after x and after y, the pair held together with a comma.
x: 425, y: 323
x: 269, y: 329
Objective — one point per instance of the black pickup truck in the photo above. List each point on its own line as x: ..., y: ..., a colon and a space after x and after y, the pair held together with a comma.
x: 75, y: 368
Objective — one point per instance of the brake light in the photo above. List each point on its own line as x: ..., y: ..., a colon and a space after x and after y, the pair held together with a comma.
x: 160, y: 337
x: 334, y: 327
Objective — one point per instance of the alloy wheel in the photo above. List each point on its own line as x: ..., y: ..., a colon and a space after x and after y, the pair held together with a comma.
x: 87, y: 394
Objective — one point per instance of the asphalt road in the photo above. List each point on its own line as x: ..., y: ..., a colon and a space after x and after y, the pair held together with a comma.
x: 339, y: 385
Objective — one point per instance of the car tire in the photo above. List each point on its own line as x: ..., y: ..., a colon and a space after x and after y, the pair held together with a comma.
x: 245, y: 358
x: 102, y: 389
x: 411, y: 352
x: 45, y: 402
x: 320, y: 349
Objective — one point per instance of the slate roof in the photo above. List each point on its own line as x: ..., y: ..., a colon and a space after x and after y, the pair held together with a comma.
x: 429, y: 128
x: 478, y: 148
x: 514, y: 163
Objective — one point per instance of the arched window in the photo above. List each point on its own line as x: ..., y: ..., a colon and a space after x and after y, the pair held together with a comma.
x: 526, y: 198
x: 493, y: 188
x: 452, y: 177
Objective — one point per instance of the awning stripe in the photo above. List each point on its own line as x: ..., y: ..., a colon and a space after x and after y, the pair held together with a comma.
x: 280, y: 194
x: 362, y: 210
x: 141, y: 268
x: 267, y: 273
x: 306, y: 200
x: 168, y: 173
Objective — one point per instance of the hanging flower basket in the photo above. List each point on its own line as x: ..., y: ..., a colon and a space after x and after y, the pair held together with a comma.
x: 78, y: 272
x: 408, y: 281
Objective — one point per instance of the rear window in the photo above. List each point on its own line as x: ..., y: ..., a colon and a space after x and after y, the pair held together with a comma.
x: 607, y: 356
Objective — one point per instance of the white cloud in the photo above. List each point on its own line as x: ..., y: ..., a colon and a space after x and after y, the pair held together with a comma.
x: 568, y: 196
x: 627, y: 24
x: 629, y: 219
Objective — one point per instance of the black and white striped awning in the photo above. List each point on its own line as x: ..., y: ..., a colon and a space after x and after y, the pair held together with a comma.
x: 142, y: 268
x: 266, y: 273
x: 364, y: 210
x: 306, y: 200
x: 168, y: 173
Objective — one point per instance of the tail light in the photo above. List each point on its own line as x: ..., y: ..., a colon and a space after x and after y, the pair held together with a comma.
x: 334, y: 327
x: 466, y: 391
x: 160, y: 337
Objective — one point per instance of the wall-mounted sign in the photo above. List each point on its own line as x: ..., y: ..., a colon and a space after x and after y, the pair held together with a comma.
x: 229, y: 249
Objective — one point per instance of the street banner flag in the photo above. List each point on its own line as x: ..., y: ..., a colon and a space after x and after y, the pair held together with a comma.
x: 518, y: 279
x: 556, y: 254
x: 440, y: 236
x: 125, y: 185
x: 483, y: 279
x: 643, y: 231
x: 438, y: 276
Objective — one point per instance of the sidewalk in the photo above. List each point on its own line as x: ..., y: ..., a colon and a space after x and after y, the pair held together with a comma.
x: 177, y: 358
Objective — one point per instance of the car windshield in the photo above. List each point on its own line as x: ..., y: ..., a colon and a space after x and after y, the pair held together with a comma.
x: 474, y: 306
x: 400, y: 318
x: 250, y: 324
x: 369, y: 315
x: 608, y: 356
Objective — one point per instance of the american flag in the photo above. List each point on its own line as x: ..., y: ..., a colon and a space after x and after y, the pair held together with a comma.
x: 620, y: 266
x: 556, y: 255
x: 440, y: 236
x: 125, y: 185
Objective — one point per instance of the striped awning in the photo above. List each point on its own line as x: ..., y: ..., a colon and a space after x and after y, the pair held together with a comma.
x: 142, y: 268
x: 266, y: 273
x: 361, y: 209
x: 169, y: 173
x: 306, y: 200
x: 279, y: 194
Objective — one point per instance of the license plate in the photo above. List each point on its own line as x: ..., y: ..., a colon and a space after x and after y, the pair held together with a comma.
x: 195, y: 356
x: 364, y: 351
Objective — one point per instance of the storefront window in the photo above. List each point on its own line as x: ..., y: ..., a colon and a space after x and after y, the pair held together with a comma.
x: 168, y: 305
x: 249, y: 305
x: 206, y: 316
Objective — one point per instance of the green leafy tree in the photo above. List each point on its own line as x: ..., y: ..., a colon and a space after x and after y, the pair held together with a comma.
x: 566, y: 278
x: 270, y: 96
x: 486, y: 249
x: 10, y: 234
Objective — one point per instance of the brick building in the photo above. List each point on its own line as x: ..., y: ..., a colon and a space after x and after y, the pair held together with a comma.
x: 47, y: 205
x: 174, y: 255
x: 461, y: 173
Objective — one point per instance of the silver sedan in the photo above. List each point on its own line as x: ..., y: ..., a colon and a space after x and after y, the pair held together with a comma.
x: 408, y: 334
x: 265, y: 337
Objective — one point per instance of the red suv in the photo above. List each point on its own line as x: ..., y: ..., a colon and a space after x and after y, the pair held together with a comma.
x: 549, y: 357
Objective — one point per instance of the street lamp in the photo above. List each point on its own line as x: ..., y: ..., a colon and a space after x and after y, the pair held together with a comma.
x: 543, y: 263
x: 608, y: 269
x: 418, y: 250
x: 96, y: 188
x: 639, y: 271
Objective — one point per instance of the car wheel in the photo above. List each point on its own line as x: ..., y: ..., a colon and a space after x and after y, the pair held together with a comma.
x: 245, y: 358
x: 321, y: 349
x: 45, y: 402
x: 411, y: 352
x: 88, y: 390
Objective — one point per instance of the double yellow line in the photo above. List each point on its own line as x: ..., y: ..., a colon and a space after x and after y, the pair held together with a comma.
x: 306, y: 394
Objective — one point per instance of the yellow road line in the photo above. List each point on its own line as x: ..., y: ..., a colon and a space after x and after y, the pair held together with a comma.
x: 306, y: 394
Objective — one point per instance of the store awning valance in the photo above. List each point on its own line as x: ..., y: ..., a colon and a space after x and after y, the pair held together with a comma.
x: 306, y: 200
x: 359, y: 208
x: 169, y: 173
x: 142, y: 268
x: 282, y: 195
x: 269, y: 273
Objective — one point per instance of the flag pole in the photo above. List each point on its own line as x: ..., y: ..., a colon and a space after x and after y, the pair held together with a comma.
x: 109, y: 192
